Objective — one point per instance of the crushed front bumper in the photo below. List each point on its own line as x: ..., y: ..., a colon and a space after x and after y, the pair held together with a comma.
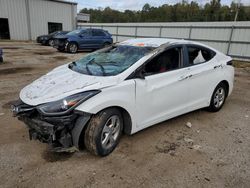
x: 56, y: 130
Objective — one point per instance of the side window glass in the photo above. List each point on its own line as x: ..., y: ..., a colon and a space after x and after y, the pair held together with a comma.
x: 85, y: 33
x: 198, y: 55
x: 98, y: 33
x: 166, y: 61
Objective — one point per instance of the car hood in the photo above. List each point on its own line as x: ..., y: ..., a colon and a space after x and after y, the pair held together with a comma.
x: 62, y: 82
x: 61, y: 37
x: 43, y: 36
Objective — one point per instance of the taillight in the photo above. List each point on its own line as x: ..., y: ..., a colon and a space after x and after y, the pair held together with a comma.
x: 230, y: 63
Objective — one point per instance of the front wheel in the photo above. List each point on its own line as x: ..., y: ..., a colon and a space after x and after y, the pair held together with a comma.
x: 72, y: 47
x: 103, y: 132
x: 218, y: 98
x: 106, y: 44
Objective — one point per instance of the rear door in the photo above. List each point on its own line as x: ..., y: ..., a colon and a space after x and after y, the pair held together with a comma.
x: 85, y: 39
x: 98, y: 37
x: 204, y: 74
x: 163, y: 92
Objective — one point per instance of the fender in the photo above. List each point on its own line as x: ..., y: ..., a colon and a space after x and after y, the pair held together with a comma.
x: 79, y: 126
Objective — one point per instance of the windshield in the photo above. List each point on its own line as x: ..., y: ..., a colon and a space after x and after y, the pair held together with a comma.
x: 75, y: 32
x: 109, y: 61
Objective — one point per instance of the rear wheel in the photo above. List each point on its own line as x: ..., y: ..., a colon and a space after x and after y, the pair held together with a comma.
x: 106, y: 44
x: 218, y: 98
x: 103, y: 132
x: 72, y: 47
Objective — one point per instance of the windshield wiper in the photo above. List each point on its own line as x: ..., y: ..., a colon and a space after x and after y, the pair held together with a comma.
x: 71, y: 65
x: 93, y: 62
x: 87, y: 68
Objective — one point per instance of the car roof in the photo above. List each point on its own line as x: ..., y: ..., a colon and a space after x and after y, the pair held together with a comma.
x: 155, y: 42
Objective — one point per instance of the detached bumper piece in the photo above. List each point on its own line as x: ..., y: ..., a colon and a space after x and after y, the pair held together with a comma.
x: 56, y: 130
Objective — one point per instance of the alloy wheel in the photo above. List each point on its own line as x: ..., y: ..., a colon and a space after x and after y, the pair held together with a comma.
x: 110, y: 132
x: 219, y: 97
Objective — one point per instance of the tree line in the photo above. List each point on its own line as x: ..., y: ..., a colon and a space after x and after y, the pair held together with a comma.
x: 179, y: 12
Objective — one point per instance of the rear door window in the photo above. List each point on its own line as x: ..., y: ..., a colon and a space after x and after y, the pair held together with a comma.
x: 198, y: 55
x: 98, y: 33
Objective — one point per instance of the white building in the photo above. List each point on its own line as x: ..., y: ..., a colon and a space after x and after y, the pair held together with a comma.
x: 26, y: 19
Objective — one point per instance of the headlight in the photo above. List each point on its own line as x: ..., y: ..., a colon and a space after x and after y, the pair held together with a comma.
x: 67, y: 104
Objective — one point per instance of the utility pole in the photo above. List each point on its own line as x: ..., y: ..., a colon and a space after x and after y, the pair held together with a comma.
x: 237, y: 11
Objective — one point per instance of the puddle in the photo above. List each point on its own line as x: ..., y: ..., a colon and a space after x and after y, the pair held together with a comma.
x: 60, y: 57
x: 44, y: 53
x: 11, y: 47
x: 8, y: 104
x: 15, y: 70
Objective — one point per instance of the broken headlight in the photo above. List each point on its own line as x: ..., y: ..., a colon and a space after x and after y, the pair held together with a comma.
x: 67, y: 104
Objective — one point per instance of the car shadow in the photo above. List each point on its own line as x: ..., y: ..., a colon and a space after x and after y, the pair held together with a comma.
x: 51, y: 156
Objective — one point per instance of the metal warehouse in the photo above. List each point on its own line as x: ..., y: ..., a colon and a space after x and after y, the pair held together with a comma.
x: 26, y: 19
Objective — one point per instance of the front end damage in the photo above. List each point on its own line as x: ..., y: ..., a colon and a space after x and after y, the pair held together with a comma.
x: 57, y: 131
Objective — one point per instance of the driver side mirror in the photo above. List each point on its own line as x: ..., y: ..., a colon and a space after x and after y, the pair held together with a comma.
x: 140, y: 74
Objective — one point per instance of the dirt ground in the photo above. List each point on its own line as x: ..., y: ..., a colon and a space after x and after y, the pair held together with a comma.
x: 214, y: 152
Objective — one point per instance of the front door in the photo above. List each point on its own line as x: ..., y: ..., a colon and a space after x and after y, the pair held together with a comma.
x: 163, y: 92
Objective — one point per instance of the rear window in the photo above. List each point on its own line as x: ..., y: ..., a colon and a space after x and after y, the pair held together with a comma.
x: 199, y: 55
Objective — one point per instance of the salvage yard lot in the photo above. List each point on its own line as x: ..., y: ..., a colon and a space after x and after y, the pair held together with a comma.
x: 214, y: 152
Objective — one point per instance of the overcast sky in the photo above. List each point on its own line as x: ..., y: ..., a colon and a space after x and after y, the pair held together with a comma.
x: 137, y: 4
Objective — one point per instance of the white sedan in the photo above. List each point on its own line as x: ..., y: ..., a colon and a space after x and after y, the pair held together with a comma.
x: 126, y: 87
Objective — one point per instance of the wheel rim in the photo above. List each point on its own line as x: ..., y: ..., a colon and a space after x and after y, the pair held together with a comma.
x: 219, y: 97
x: 73, y: 48
x: 110, y: 132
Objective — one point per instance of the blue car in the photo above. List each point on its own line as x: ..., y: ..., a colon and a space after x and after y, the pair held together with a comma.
x: 83, y: 39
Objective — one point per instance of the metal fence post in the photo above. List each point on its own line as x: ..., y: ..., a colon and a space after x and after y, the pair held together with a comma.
x: 230, y: 39
x: 160, y: 31
x: 116, y: 37
x: 190, y: 32
x: 135, y: 31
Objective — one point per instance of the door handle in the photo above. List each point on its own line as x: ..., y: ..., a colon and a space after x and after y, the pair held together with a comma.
x: 217, y: 66
x: 185, y: 77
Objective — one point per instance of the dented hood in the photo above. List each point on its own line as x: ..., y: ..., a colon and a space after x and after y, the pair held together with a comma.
x: 60, y: 83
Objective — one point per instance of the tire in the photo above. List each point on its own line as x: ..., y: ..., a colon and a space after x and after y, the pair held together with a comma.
x: 218, y: 98
x: 101, y: 135
x: 72, y: 47
x: 106, y: 44
x: 51, y: 42
x: 60, y: 49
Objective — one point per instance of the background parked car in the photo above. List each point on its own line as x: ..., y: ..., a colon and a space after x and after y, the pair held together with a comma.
x: 49, y: 39
x: 83, y: 39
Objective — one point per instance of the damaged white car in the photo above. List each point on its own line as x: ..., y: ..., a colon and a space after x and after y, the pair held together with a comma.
x: 126, y: 87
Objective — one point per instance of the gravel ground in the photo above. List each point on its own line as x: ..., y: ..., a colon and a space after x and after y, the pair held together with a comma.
x: 214, y: 152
